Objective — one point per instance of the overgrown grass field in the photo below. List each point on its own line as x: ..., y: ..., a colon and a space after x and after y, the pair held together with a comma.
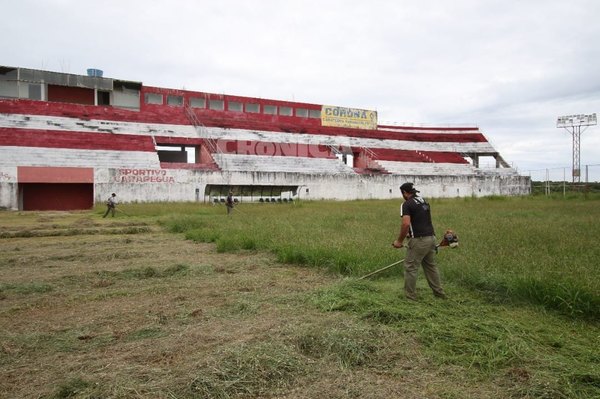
x: 535, y: 250
x: 183, y: 301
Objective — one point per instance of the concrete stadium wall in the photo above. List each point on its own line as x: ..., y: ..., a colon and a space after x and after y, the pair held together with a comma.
x: 176, y: 185
x: 8, y: 188
x: 182, y: 185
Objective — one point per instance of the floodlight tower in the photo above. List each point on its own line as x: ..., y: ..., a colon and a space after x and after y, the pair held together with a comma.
x: 573, y: 124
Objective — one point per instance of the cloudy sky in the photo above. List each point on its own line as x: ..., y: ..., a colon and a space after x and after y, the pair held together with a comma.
x: 510, y: 67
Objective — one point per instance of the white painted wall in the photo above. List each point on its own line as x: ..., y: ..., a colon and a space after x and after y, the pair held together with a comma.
x: 57, y: 157
x: 181, y: 185
x: 174, y: 185
x: 8, y: 188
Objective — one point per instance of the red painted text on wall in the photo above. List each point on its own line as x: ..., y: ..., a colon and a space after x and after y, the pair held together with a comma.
x: 144, y: 176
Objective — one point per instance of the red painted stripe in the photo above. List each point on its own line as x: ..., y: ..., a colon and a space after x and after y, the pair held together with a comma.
x: 76, y: 95
x: 165, y: 114
x: 42, y: 174
x: 419, y: 128
x: 74, y: 140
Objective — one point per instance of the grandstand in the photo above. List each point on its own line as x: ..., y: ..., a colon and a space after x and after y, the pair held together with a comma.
x: 67, y: 141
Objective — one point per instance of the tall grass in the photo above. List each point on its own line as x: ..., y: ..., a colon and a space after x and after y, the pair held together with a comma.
x: 338, y: 236
x: 533, y: 249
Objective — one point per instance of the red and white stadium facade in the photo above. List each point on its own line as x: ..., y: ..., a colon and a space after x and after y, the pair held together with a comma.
x: 68, y: 141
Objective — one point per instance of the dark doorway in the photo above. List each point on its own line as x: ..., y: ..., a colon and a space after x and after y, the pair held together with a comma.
x: 103, y: 97
x: 57, y: 197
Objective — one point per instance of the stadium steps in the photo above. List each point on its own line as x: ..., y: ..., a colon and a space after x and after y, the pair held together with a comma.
x: 260, y: 163
x: 190, y: 166
x: 61, y: 157
x: 189, y: 132
x: 77, y: 124
x: 440, y: 153
x: 427, y: 168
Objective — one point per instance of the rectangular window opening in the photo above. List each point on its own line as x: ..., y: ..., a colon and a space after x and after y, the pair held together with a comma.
x: 218, y: 105
x: 35, y: 91
x: 270, y: 109
x: 197, y: 102
x: 302, y: 112
x: 314, y: 113
x: 153, y: 98
x: 175, y: 101
x: 176, y: 154
x: 253, y: 108
x: 103, y: 97
x: 235, y: 106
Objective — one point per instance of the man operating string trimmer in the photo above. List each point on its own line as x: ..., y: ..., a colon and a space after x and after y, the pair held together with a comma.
x: 111, y: 204
x: 421, y: 245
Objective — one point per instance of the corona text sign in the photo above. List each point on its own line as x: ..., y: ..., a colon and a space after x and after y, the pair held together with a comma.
x: 348, y: 117
x: 576, y: 120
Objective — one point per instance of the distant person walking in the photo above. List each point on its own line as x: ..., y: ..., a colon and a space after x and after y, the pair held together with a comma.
x: 111, y: 204
x: 229, y: 203
x: 417, y: 227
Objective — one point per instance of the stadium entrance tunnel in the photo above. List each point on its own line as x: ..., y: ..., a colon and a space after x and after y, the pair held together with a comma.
x: 217, y: 193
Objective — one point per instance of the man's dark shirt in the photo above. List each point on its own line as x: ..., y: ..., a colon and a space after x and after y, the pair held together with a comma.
x: 420, y: 217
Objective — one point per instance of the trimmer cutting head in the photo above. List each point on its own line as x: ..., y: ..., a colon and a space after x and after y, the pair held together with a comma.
x: 450, y: 239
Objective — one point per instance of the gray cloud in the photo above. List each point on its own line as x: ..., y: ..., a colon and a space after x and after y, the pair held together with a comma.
x: 510, y: 67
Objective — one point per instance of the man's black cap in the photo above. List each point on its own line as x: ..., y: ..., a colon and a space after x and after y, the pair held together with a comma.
x: 408, y: 188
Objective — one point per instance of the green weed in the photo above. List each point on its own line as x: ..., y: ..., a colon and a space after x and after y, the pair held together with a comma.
x: 71, y: 389
x: 181, y: 224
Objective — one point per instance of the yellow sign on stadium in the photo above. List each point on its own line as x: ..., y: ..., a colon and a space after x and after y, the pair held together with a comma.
x: 348, y: 117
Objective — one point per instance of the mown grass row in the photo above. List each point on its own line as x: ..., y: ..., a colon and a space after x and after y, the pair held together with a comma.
x: 74, y: 232
x: 535, y: 250
x: 102, y: 278
x: 264, y: 368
